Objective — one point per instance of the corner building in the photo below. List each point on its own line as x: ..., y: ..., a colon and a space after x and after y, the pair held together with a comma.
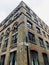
x: 24, y: 38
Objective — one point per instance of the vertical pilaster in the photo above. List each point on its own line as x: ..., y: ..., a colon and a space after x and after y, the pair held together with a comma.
x: 40, y: 58
x: 8, y: 49
x: 21, y: 48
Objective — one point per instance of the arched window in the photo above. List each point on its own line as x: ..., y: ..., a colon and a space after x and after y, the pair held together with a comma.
x: 45, y: 58
x: 15, y: 27
x: 34, y: 58
x: 3, y: 59
x: 13, y: 58
x: 6, y: 38
x: 7, y: 32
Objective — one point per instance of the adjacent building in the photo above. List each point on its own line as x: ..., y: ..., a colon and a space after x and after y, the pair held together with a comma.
x: 24, y: 38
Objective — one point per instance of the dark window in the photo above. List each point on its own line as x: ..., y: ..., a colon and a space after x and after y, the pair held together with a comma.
x: 28, y: 14
x: 45, y: 58
x: 14, y: 38
x: 36, y: 21
x: 2, y: 60
x: 48, y: 36
x: 4, y: 26
x: 28, y: 9
x: 9, y: 21
x: 0, y: 40
x: 34, y: 15
x: 29, y: 24
x: 34, y: 58
x: 16, y: 15
x: 41, y: 25
x: 38, y: 30
x: 5, y: 43
x: 47, y: 43
x: 44, y: 33
x: 31, y: 37
x: 41, y: 42
x: 2, y: 34
x: 0, y: 43
x: 7, y: 33
x: 13, y: 58
x: 15, y: 28
x: 45, y: 29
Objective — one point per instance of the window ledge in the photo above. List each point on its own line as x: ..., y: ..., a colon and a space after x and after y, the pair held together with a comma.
x: 13, y: 45
x: 43, y: 47
x: 32, y: 42
x: 4, y: 49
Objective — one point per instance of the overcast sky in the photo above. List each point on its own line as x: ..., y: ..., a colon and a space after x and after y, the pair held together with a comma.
x: 40, y: 7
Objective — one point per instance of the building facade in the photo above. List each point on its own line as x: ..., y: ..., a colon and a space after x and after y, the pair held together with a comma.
x: 24, y: 38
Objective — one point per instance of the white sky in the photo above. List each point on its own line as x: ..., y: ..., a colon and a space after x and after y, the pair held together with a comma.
x: 40, y: 7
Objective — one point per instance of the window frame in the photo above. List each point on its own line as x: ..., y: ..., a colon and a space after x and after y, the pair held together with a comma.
x: 31, y: 36
x: 41, y: 42
x: 16, y: 37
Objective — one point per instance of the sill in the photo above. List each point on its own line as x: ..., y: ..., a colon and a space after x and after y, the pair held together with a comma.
x: 4, y: 49
x: 13, y: 45
x: 32, y: 42
x: 43, y: 47
x: 39, y: 33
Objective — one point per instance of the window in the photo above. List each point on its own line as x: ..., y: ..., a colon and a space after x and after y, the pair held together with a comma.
x: 16, y: 15
x: 9, y: 21
x: 2, y: 60
x: 47, y: 43
x: 34, y: 15
x: 13, y: 58
x: 41, y: 42
x: 44, y: 33
x: 14, y: 38
x: 38, y: 30
x: 28, y: 9
x: 48, y: 36
x: 4, y: 26
x: 45, y: 58
x: 6, y: 43
x: 41, y: 25
x: 7, y: 33
x: 28, y: 14
x: 31, y: 37
x: 15, y: 28
x: 34, y: 58
x: 29, y: 24
x: 36, y: 21
x: 45, y: 29
x: 2, y: 34
x: 0, y: 43
x: 0, y: 40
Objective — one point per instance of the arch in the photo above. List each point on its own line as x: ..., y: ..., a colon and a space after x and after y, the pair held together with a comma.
x: 33, y: 51
x: 15, y: 27
x: 2, y: 34
x: 7, y: 32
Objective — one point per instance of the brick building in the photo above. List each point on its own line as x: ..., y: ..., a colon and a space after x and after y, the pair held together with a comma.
x: 24, y: 38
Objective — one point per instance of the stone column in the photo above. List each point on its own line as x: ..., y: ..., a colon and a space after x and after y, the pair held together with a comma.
x: 21, y: 48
